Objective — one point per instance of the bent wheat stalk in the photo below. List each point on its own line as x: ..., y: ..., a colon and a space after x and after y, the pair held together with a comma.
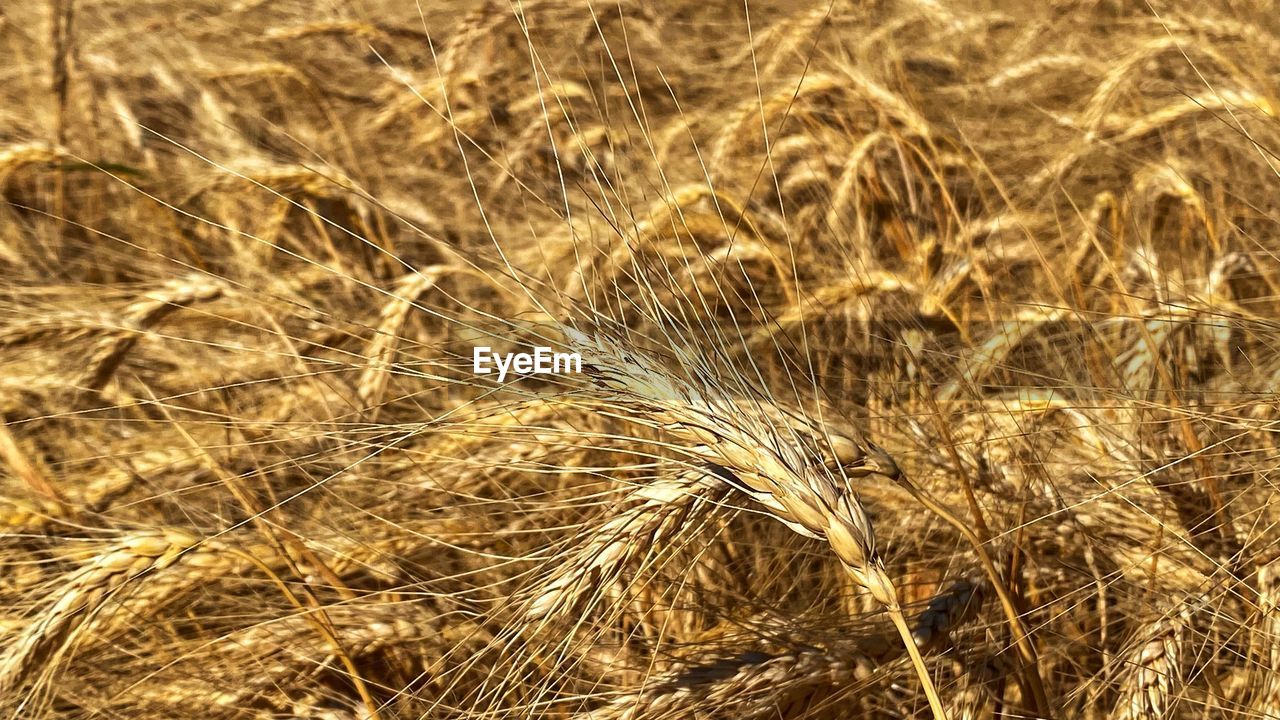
x: 777, y: 467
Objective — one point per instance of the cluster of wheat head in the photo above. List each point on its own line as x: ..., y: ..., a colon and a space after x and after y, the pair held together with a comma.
x: 928, y: 356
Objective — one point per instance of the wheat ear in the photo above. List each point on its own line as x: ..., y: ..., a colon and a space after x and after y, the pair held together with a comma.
x: 139, y: 317
x: 1266, y: 698
x: 56, y: 628
x: 374, y: 377
x: 11, y: 454
x: 652, y: 513
x: 1154, y: 676
x: 731, y: 681
x: 737, y: 678
x: 777, y: 467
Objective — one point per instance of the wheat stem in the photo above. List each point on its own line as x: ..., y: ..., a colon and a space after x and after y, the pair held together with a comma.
x: 1021, y: 638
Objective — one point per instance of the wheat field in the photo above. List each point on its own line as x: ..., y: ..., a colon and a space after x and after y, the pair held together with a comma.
x: 929, y: 357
